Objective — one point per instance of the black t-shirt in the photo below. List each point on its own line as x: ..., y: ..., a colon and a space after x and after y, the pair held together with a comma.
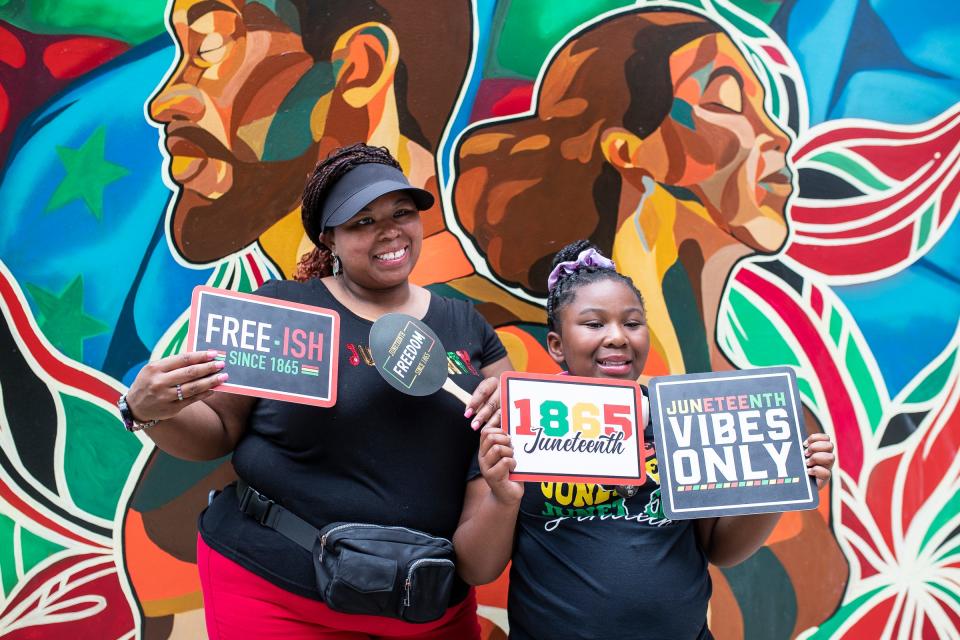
x: 588, y: 563
x: 376, y: 456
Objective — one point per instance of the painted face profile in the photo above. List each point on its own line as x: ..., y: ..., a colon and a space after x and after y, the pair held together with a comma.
x: 718, y: 142
x: 640, y: 98
x: 263, y: 90
x: 232, y: 148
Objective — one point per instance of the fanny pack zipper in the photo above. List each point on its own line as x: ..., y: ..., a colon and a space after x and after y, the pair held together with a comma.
x: 408, y: 583
x: 360, y: 525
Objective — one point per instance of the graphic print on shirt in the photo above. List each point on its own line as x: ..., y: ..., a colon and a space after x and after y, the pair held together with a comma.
x: 585, y: 503
x: 358, y: 352
x: 458, y: 362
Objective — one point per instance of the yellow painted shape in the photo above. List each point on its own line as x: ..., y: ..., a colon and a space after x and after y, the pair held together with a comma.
x: 180, y: 163
x: 480, y: 288
x: 516, y: 350
x: 318, y: 116
x: 255, y: 133
x: 646, y: 268
x: 283, y: 242
x: 170, y: 606
x: 483, y: 143
x: 531, y: 143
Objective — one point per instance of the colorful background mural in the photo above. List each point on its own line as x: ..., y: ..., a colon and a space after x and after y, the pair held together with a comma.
x: 779, y: 177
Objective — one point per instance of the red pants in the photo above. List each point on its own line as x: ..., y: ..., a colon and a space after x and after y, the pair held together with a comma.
x: 239, y: 604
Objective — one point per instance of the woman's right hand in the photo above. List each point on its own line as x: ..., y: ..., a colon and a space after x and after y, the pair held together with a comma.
x: 496, y: 463
x: 154, y: 393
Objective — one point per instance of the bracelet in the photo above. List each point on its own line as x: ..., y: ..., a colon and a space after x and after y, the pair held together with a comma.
x: 130, y: 423
x: 140, y: 426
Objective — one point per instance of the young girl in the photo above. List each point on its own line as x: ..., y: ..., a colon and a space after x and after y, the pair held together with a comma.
x: 630, y: 573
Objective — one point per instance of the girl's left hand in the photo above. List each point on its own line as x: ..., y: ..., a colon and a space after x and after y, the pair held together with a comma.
x: 484, y: 405
x: 496, y: 463
x: 818, y: 450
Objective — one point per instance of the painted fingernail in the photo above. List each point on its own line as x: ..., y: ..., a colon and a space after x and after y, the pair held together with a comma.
x: 223, y: 377
x: 806, y: 443
x: 475, y: 425
x: 220, y: 364
x: 211, y: 354
x: 468, y: 412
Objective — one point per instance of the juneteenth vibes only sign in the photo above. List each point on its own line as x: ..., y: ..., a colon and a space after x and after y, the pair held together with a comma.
x: 731, y: 443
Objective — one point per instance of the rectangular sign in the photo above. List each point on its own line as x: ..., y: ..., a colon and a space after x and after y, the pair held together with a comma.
x: 573, y: 429
x: 731, y: 443
x: 271, y: 348
x: 408, y: 355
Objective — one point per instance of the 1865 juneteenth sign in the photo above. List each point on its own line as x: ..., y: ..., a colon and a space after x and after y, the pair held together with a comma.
x: 731, y: 443
x: 573, y: 429
x: 271, y: 348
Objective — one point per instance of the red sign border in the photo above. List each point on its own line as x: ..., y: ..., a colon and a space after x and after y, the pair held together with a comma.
x: 266, y: 393
x: 579, y: 380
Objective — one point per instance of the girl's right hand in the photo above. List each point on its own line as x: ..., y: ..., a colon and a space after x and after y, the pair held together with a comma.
x: 153, y: 394
x: 496, y: 463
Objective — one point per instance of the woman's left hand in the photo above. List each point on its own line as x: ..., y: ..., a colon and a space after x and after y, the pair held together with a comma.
x: 484, y: 405
x: 818, y: 450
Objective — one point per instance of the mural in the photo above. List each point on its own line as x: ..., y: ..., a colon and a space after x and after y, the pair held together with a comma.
x: 780, y: 178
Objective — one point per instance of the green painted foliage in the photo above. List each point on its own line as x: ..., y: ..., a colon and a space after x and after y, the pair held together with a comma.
x: 864, y: 384
x: 132, y: 22
x: 32, y: 548
x: 831, y: 626
x: 847, y: 165
x: 928, y: 388
x: 35, y: 549
x: 526, y: 30
x: 8, y: 562
x: 944, y: 518
x: 98, y: 456
x: 760, y: 340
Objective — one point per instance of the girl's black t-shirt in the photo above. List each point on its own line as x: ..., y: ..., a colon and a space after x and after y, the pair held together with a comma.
x: 589, y: 563
x: 376, y: 456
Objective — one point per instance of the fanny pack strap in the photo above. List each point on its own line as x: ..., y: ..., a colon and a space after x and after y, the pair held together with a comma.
x: 270, y: 514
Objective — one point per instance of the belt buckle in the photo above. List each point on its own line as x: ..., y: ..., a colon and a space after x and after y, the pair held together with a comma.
x: 256, y: 505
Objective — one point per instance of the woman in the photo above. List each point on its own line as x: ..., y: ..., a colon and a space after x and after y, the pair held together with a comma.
x: 377, y: 456
x: 649, y: 136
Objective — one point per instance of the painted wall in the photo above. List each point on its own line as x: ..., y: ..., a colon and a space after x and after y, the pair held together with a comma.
x: 779, y: 178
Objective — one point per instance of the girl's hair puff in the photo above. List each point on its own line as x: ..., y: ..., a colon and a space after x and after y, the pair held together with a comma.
x: 567, y: 284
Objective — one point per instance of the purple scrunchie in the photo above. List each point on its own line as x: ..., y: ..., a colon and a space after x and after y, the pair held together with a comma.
x: 587, y: 258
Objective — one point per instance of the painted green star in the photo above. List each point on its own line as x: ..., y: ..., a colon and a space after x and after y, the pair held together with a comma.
x: 88, y: 174
x: 63, y: 320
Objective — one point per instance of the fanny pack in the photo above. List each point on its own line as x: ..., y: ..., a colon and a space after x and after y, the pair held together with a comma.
x: 366, y: 569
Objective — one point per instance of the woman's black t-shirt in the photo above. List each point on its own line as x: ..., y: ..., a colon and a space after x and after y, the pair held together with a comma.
x: 588, y: 563
x: 376, y: 456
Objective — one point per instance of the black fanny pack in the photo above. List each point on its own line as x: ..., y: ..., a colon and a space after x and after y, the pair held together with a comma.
x: 366, y: 568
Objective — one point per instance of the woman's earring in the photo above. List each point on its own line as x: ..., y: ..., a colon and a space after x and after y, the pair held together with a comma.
x: 336, y: 265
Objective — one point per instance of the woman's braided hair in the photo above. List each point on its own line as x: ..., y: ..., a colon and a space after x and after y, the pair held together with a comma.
x: 318, y: 263
x: 567, y: 284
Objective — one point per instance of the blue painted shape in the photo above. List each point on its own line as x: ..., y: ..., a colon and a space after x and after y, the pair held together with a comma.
x: 896, y: 316
x: 816, y: 35
x: 925, y: 31
x: 461, y: 117
x: 682, y: 113
x: 894, y: 96
x: 858, y: 58
x: 50, y: 249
